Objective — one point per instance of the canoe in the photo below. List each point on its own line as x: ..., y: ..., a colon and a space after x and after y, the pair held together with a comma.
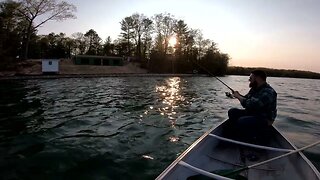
x: 212, y: 153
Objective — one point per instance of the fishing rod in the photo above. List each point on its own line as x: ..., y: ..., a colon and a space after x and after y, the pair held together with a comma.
x: 205, y: 69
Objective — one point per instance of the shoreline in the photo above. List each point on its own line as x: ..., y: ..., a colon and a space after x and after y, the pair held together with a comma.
x: 64, y: 76
x: 61, y: 76
x: 32, y: 69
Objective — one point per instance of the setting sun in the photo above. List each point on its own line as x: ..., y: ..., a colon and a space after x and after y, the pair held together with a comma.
x: 172, y: 41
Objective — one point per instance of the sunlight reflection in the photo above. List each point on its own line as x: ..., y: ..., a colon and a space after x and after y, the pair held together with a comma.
x: 171, y: 98
x: 147, y: 157
x: 173, y: 139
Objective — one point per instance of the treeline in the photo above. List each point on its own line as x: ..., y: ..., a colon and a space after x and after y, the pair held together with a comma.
x: 233, y: 70
x: 19, y: 21
x: 161, y: 43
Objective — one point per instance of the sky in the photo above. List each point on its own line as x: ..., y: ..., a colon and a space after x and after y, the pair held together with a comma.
x: 281, y: 34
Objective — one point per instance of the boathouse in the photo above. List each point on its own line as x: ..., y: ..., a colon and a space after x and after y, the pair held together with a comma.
x: 50, y: 66
x: 98, y: 60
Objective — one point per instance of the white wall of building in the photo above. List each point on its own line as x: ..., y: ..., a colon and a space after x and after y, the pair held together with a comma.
x: 50, y: 65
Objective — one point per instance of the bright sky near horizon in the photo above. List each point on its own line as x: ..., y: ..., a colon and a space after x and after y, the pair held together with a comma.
x: 282, y: 34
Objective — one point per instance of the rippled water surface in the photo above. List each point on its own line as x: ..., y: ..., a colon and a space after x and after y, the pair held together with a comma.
x: 129, y: 127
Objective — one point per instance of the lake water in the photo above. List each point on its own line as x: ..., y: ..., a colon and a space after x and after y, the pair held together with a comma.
x: 129, y: 127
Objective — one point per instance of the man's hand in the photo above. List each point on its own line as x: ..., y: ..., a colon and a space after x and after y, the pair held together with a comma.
x: 236, y: 94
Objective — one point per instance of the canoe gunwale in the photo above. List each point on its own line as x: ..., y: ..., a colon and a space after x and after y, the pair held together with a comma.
x: 211, y: 130
x: 176, y: 162
x: 314, y: 169
x: 203, y: 172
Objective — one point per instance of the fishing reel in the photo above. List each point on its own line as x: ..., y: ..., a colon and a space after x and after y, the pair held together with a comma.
x: 229, y: 95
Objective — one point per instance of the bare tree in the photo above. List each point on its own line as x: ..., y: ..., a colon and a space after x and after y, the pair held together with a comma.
x: 189, y: 50
x: 146, y: 37
x: 141, y: 33
x: 80, y: 43
x: 164, y: 26
x: 138, y: 30
x: 47, y: 10
x: 201, y: 44
x: 182, y: 32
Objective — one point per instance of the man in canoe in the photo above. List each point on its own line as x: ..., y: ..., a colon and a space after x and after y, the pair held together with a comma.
x: 260, y: 109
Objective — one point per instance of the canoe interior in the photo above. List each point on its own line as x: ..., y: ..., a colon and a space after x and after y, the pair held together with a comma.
x: 210, y: 154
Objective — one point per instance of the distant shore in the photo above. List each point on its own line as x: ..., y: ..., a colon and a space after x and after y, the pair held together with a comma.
x: 234, y: 70
x: 31, y: 69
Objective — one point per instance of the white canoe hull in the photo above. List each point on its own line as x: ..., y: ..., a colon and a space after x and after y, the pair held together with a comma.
x: 209, y: 155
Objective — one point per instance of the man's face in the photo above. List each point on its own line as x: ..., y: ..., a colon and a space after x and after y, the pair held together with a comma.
x: 253, y: 81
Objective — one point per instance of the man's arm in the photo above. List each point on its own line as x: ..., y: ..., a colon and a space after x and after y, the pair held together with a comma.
x: 257, y: 103
x: 240, y: 97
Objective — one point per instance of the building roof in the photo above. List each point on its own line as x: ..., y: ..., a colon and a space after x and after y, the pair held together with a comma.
x: 100, y: 57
